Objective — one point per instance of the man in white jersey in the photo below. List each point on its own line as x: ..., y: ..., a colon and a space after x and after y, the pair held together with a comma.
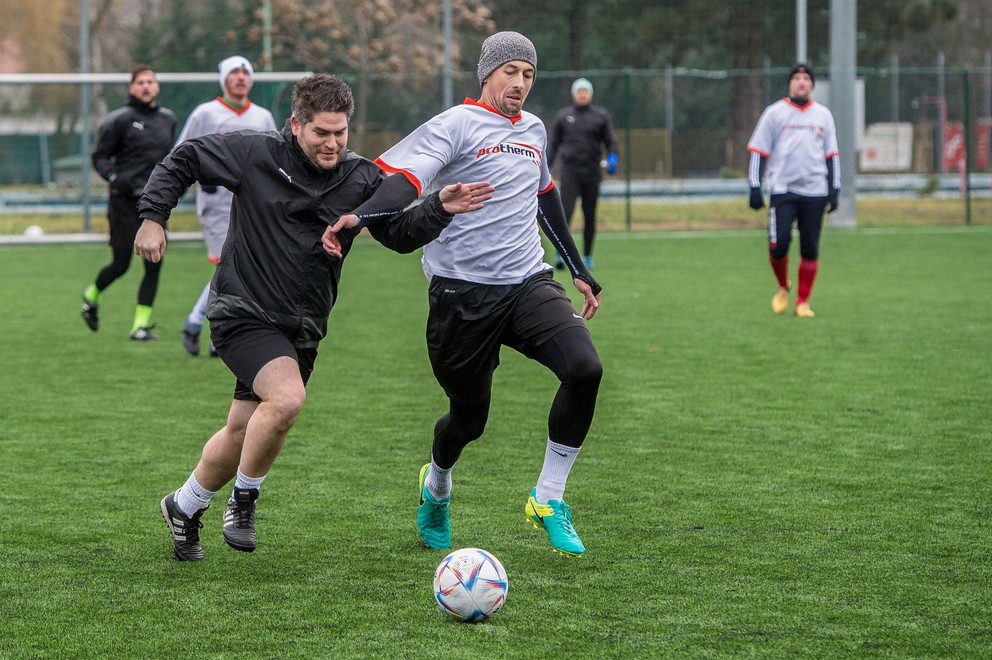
x: 232, y: 111
x: 489, y: 283
x: 796, y: 139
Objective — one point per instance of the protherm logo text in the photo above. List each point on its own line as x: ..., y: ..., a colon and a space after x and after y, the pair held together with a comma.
x: 510, y: 148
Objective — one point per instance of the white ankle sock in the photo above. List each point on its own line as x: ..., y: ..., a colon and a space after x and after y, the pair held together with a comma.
x: 192, y: 497
x: 243, y: 482
x: 438, y: 481
x: 558, y: 461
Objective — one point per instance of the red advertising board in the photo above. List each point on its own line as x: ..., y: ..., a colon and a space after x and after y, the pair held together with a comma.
x: 953, y: 146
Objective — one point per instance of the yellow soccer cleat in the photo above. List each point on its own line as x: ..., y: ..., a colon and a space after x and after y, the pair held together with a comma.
x: 803, y: 311
x: 780, y: 301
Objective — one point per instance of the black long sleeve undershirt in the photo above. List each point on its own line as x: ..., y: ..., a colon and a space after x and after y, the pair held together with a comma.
x: 551, y: 218
x: 394, y: 195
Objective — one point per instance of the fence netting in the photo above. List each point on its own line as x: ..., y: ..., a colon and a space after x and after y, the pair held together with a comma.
x: 920, y: 132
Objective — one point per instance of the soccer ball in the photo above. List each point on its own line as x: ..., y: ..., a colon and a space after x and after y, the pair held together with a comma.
x: 470, y: 584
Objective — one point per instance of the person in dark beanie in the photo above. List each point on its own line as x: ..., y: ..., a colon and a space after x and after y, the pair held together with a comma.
x: 489, y: 284
x: 582, y: 134
x: 797, y: 140
x: 131, y: 141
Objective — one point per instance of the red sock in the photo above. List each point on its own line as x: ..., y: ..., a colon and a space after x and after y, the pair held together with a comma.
x: 807, y: 274
x: 781, y: 269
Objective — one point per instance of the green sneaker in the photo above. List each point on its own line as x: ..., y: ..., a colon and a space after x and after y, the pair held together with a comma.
x: 432, y: 517
x: 555, y: 518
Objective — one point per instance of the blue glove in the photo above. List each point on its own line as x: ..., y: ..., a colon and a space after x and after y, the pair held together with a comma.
x: 612, y: 163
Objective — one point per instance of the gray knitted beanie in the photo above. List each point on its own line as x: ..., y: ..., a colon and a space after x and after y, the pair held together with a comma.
x: 504, y: 47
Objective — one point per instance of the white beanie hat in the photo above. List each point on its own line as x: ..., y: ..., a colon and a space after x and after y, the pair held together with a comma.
x: 504, y: 47
x: 229, y: 64
x: 581, y: 83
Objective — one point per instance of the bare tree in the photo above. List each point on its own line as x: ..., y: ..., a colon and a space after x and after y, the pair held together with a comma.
x: 367, y: 38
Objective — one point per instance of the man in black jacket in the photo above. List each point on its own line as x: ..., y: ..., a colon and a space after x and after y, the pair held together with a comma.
x: 275, y: 285
x: 577, y: 141
x: 131, y: 141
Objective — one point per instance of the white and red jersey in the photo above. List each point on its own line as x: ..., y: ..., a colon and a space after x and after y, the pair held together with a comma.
x: 500, y: 243
x: 797, y: 141
x: 219, y: 117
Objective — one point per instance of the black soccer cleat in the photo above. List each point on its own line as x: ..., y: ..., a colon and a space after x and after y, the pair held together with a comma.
x: 185, y: 530
x: 91, y: 314
x: 191, y: 342
x: 239, y: 520
x: 144, y: 334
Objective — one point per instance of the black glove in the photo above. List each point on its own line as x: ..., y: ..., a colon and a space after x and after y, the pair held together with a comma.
x: 210, y: 190
x: 832, y: 199
x: 757, y: 201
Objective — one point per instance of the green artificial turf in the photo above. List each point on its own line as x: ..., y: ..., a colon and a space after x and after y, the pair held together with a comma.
x: 753, y: 485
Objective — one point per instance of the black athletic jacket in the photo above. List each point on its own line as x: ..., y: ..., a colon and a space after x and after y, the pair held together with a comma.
x: 578, y: 137
x: 273, y: 266
x: 131, y: 141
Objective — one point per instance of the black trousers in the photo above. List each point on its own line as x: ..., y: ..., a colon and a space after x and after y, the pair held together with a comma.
x: 577, y: 184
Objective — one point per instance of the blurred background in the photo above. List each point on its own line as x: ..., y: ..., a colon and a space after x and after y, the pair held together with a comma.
x: 685, y: 80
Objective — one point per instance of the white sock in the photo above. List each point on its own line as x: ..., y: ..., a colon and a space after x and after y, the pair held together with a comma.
x: 438, y: 482
x: 192, y: 496
x: 558, y: 460
x: 199, y: 313
x: 243, y: 482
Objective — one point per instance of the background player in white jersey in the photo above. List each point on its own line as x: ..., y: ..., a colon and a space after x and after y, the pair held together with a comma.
x: 490, y: 286
x: 796, y: 139
x: 232, y: 111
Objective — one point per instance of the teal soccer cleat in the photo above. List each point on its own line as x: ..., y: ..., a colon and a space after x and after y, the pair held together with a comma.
x: 432, y: 517
x: 555, y: 518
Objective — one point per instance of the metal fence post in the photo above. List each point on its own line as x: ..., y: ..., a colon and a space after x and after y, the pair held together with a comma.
x: 627, y: 157
x: 967, y: 147
x: 843, y: 81
x: 84, y: 134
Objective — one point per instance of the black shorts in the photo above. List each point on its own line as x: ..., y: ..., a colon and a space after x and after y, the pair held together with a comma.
x: 468, y: 323
x: 247, y: 345
x: 122, y: 216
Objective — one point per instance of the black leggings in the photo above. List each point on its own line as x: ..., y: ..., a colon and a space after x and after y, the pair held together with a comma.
x: 572, y: 357
x: 585, y: 187
x: 121, y: 262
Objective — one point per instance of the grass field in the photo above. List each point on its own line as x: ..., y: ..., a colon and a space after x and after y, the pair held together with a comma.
x: 872, y: 212
x: 753, y: 485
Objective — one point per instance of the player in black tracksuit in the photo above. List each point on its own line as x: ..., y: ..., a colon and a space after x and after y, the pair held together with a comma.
x: 276, y: 281
x: 131, y: 141
x: 272, y: 267
x: 577, y: 140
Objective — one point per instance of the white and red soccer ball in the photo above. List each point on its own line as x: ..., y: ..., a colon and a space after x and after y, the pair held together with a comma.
x: 470, y: 584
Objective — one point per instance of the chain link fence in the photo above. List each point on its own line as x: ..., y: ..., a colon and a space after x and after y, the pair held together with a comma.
x: 921, y: 133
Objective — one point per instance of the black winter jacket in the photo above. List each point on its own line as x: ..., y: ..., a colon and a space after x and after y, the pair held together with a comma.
x: 273, y: 267
x: 578, y: 137
x: 131, y: 141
